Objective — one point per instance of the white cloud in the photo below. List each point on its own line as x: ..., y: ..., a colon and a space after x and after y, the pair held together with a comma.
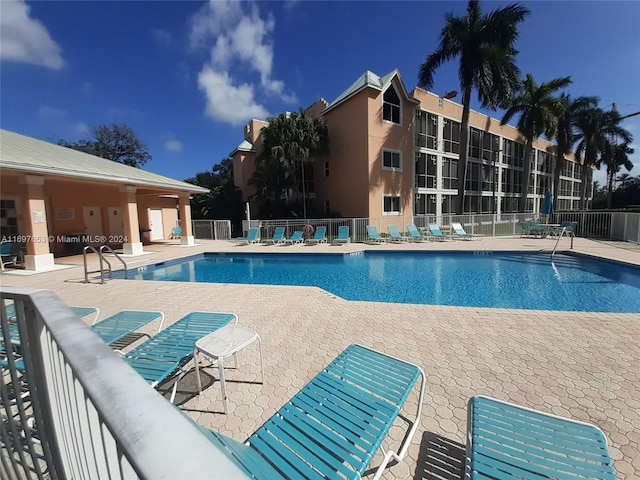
x: 240, y: 39
x: 51, y: 114
x: 162, y: 37
x: 82, y: 128
x: 226, y: 102
x: 173, y: 146
x: 24, y: 39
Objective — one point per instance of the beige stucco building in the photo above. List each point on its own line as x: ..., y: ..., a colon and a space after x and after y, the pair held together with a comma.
x: 54, y: 200
x: 395, y: 153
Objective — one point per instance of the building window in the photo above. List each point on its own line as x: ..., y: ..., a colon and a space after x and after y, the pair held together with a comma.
x: 391, y: 205
x: 451, y: 136
x: 426, y: 166
x: 511, y: 182
x: 426, y: 130
x: 326, y: 169
x: 449, y: 173
x: 513, y: 153
x: 8, y: 218
x: 327, y: 208
x: 391, y: 160
x: 391, y: 106
x: 475, y: 143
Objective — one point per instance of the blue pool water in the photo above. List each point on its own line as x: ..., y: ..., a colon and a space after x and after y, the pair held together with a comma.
x: 497, y: 280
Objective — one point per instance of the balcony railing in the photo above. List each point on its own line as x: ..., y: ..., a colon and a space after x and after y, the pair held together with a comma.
x: 72, y: 409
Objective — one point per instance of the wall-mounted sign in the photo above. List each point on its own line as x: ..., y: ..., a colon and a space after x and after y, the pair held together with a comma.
x: 66, y: 213
x: 38, y: 216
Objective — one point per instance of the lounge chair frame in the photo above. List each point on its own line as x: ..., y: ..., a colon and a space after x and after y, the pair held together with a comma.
x: 394, y: 234
x: 320, y: 236
x: 460, y: 233
x: 343, y: 236
x: 374, y: 236
x: 253, y: 236
x: 296, y: 237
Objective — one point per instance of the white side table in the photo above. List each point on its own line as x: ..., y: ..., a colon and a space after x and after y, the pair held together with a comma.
x: 221, y: 344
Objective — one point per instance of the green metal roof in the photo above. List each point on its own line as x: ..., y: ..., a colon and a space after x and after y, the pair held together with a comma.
x: 245, y: 146
x: 18, y: 152
x: 369, y: 80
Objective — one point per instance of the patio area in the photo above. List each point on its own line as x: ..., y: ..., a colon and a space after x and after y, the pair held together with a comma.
x: 581, y: 365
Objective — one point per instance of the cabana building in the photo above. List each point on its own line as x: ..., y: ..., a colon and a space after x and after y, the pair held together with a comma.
x: 55, y: 200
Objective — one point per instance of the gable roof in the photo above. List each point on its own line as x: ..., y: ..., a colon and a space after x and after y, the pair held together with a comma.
x: 370, y: 80
x: 29, y: 155
x: 245, y: 146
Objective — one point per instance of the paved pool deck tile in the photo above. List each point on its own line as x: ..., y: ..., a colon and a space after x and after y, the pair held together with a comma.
x: 582, y: 365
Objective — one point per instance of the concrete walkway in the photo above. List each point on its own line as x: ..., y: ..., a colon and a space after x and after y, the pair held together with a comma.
x: 582, y: 365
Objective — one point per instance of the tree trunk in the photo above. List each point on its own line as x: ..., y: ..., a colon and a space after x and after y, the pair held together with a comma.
x: 610, y: 175
x: 526, y: 174
x: 464, y: 149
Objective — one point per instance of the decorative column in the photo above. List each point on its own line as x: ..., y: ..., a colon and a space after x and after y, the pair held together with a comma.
x: 185, y: 220
x: 38, y: 258
x: 133, y: 245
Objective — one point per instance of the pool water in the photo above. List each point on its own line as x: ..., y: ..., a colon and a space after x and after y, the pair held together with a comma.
x: 481, y: 279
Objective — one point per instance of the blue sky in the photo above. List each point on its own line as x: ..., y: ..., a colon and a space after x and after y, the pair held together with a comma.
x: 187, y: 76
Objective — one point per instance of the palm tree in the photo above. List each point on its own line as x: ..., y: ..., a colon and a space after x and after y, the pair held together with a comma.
x: 614, y: 156
x: 295, y: 140
x: 595, y: 128
x: 570, y: 110
x: 538, y: 110
x: 484, y: 45
x: 623, y: 178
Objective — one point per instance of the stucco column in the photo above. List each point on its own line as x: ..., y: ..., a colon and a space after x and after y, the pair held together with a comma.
x: 38, y: 258
x: 185, y: 220
x: 133, y: 245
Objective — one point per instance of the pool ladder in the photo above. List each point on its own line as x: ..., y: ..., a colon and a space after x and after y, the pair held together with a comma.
x: 563, y: 232
x: 104, y: 249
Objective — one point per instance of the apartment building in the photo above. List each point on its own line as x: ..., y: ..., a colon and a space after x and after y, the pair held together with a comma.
x: 396, y: 153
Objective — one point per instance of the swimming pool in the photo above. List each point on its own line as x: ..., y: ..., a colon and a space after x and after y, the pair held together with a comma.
x: 482, y: 279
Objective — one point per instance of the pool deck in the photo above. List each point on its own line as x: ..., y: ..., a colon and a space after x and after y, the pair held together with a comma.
x: 582, y: 365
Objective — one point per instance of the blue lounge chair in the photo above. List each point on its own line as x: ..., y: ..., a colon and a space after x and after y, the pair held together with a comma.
x: 319, y: 237
x: 164, y: 355
x: 335, y: 425
x: 535, y: 229
x: 8, y: 254
x: 296, y: 237
x: 253, y: 236
x: 176, y: 232
x: 414, y: 234
x: 436, y: 233
x: 278, y: 237
x: 79, y: 311
x: 115, y: 328
x: 461, y: 234
x: 394, y: 234
x: 373, y: 235
x: 509, y: 441
x: 343, y: 236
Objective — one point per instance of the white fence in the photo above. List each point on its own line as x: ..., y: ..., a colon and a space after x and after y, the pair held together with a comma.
x: 603, y: 225
x: 72, y: 409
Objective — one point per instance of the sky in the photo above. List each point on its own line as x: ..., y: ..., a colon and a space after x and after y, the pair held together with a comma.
x: 187, y: 76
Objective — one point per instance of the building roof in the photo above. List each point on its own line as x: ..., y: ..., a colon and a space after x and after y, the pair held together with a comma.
x: 245, y: 146
x: 29, y: 155
x: 369, y: 80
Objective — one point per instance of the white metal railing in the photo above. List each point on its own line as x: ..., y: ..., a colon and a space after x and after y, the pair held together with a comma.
x: 607, y: 225
x: 212, y: 229
x: 72, y: 409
